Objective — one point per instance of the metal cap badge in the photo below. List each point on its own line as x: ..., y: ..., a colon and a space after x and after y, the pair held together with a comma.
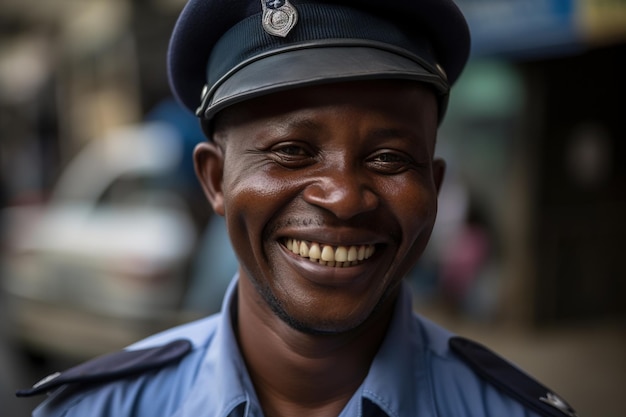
x: 558, y: 403
x: 279, y: 17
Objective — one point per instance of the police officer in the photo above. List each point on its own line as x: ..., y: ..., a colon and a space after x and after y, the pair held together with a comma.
x: 321, y: 119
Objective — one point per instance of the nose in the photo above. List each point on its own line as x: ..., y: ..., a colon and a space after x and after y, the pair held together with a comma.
x: 343, y: 192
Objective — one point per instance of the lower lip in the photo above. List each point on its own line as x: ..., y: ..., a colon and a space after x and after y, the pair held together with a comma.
x: 328, y: 275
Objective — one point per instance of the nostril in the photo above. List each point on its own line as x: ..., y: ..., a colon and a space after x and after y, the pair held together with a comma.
x: 344, y: 199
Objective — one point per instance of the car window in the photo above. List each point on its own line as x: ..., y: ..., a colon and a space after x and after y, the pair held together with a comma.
x: 139, y: 190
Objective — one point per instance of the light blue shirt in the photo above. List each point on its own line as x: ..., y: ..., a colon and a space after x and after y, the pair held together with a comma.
x: 414, y: 374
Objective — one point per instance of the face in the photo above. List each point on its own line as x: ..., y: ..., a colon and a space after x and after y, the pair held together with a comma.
x: 329, y: 195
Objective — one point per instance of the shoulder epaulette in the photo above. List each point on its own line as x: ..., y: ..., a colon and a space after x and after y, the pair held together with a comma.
x: 511, y: 380
x: 112, y: 367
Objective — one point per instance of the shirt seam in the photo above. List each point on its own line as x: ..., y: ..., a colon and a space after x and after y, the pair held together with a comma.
x: 380, y: 402
x: 428, y: 360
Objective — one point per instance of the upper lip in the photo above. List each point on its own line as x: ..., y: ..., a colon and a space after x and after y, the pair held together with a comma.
x: 334, y: 236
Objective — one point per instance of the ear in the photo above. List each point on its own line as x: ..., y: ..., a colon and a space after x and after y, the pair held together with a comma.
x: 208, y: 160
x: 439, y: 171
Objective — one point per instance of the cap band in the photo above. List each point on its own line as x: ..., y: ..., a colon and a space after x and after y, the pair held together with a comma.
x: 248, y: 62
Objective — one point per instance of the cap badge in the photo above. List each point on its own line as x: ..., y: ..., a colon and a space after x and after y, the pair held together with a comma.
x: 279, y: 17
x: 558, y: 403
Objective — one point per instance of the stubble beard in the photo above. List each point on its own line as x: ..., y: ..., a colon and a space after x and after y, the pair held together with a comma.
x: 308, y: 327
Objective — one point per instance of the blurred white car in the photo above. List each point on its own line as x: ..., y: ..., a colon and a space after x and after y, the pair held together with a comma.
x: 106, y: 261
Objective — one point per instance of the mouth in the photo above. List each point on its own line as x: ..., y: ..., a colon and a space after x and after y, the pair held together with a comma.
x: 328, y: 255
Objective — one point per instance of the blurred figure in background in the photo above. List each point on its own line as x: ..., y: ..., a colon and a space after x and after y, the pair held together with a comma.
x: 464, y: 261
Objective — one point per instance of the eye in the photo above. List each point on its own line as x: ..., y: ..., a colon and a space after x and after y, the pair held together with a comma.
x: 388, y: 158
x: 290, y: 150
x: 390, y: 162
x: 292, y: 154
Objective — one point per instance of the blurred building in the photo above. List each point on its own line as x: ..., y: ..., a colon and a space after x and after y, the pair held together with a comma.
x: 536, y: 133
x: 69, y: 72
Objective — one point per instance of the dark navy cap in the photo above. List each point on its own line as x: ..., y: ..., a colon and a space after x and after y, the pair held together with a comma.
x: 227, y: 51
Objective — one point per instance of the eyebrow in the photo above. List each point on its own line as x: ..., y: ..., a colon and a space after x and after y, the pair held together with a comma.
x: 298, y: 122
x: 392, y: 132
x: 305, y: 123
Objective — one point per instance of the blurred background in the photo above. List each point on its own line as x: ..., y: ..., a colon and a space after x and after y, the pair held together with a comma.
x: 105, y: 236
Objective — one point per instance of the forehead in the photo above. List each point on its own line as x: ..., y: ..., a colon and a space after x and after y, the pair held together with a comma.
x: 400, y: 99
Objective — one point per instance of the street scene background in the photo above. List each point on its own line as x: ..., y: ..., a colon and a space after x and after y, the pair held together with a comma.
x: 105, y: 236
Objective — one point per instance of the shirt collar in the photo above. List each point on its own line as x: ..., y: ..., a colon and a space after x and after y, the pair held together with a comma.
x: 399, y: 369
x: 234, y: 395
x: 396, y: 373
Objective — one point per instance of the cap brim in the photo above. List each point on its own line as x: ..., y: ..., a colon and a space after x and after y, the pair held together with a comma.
x: 313, y: 66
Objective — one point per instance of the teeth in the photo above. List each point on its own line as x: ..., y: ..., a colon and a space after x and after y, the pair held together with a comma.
x: 304, y: 250
x: 353, y: 254
x: 315, y: 252
x: 328, y: 254
x: 340, y: 256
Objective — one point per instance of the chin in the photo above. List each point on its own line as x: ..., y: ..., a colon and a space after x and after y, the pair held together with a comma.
x: 319, y: 327
x: 312, y: 323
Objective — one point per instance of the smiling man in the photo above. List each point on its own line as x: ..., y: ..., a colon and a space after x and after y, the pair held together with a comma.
x: 321, y: 119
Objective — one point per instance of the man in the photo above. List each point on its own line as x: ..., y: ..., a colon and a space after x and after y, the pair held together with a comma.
x: 321, y: 120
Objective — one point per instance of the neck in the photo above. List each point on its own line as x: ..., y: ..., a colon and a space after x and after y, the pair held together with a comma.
x: 302, y: 374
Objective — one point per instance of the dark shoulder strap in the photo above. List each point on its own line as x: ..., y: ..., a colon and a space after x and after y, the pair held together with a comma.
x: 112, y: 367
x: 509, y: 379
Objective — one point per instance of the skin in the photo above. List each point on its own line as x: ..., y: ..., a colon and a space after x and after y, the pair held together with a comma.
x: 343, y: 164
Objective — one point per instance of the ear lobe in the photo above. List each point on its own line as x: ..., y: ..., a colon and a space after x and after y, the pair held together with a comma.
x: 209, y: 165
x: 439, y: 170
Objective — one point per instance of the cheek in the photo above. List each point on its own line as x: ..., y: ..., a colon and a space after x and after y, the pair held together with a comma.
x: 252, y: 192
x: 415, y: 207
x: 252, y: 198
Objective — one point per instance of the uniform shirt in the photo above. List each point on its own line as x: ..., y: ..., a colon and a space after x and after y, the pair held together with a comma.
x: 413, y: 374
